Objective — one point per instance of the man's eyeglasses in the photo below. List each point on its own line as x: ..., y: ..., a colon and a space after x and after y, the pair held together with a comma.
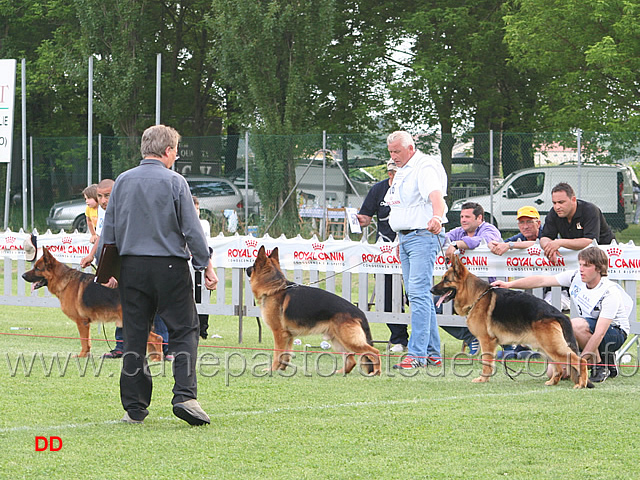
x: 527, y: 222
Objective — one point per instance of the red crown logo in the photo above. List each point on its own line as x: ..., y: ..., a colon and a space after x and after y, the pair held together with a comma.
x: 614, y: 251
x: 317, y: 246
x: 251, y: 243
x: 386, y: 248
x: 67, y: 239
x: 534, y: 251
x: 11, y: 239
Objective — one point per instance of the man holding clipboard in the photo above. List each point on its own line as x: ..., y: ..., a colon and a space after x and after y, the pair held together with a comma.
x: 152, y: 222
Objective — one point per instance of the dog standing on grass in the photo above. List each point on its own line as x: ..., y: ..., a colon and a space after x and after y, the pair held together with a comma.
x: 83, y: 300
x: 291, y: 309
x: 500, y: 316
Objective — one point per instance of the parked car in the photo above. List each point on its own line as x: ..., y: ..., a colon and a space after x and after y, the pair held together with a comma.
x: 215, y: 195
x: 251, y: 199
x: 68, y: 216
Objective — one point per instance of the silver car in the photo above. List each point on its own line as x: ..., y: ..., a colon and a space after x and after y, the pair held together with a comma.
x: 68, y: 216
x: 215, y: 195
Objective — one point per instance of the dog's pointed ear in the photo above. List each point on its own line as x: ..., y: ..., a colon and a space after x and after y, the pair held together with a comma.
x: 48, y: 257
x: 274, y: 255
x: 262, y: 256
x: 456, y: 263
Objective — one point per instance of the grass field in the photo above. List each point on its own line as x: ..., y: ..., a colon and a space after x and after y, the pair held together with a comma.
x: 307, y: 425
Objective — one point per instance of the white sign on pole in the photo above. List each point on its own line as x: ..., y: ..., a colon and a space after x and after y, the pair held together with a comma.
x: 7, y: 98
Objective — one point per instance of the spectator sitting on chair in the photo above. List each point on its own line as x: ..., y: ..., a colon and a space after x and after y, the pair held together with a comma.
x: 530, y: 229
x: 374, y: 204
x: 472, y: 230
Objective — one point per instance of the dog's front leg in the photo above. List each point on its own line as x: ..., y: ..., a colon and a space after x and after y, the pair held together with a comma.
x: 487, y: 358
x: 282, y: 341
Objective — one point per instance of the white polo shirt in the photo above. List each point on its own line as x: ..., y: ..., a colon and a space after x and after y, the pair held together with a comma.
x: 408, y: 196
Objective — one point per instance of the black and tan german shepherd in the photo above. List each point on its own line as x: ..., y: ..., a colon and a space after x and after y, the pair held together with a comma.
x: 291, y: 309
x: 82, y: 300
x: 501, y: 316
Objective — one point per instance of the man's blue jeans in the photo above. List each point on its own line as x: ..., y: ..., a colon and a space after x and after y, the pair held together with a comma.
x: 418, y: 250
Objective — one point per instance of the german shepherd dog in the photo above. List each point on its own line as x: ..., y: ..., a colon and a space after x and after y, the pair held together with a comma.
x: 291, y: 309
x: 501, y: 316
x: 82, y: 300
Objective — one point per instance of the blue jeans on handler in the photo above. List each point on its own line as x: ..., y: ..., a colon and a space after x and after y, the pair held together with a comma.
x: 418, y: 250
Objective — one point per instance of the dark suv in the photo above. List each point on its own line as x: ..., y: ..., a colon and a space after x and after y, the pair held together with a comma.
x: 469, y: 178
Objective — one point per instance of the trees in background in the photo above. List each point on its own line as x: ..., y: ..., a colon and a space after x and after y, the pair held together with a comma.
x: 587, y: 52
x: 272, y: 53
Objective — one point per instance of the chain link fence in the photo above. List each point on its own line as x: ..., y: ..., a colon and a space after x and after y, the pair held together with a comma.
x: 285, y: 184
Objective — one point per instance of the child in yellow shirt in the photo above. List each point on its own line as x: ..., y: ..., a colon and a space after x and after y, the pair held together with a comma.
x: 91, y: 199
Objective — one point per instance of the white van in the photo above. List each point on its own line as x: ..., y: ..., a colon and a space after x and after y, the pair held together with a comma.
x: 610, y: 187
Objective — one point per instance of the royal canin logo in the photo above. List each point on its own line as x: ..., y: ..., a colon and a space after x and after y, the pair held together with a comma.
x: 614, y: 252
x: 251, y: 243
x: 534, y: 251
x: 317, y: 246
x: 386, y: 248
x: 11, y: 239
x: 66, y: 240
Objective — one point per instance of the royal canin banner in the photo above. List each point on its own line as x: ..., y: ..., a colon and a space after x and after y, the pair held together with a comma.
x: 66, y: 247
x: 347, y: 255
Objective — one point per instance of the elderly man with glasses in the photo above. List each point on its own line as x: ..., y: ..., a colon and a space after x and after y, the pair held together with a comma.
x: 530, y: 229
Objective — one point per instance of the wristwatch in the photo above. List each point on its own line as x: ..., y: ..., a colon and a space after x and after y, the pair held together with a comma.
x: 510, y: 245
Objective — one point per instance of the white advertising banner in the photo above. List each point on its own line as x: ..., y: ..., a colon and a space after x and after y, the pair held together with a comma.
x: 7, y: 101
x: 346, y: 255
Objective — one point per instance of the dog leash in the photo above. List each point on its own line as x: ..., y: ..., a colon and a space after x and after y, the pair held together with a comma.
x: 104, y: 332
x: 479, y: 298
x: 360, y: 263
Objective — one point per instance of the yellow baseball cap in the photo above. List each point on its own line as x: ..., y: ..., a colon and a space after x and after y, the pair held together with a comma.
x: 528, y: 212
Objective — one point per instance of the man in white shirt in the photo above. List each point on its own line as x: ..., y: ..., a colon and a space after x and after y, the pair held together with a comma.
x: 418, y: 209
x: 603, y: 305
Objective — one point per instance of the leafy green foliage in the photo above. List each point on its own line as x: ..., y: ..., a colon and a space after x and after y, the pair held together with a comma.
x: 587, y: 51
x: 272, y: 52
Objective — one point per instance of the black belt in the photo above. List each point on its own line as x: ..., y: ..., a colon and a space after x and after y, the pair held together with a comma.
x: 407, y: 232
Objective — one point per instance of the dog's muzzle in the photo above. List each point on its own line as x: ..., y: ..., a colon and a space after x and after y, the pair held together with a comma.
x: 36, y: 282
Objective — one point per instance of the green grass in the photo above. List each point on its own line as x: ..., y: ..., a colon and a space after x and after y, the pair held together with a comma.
x: 304, y: 426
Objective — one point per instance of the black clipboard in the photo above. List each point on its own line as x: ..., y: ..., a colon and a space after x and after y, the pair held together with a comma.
x: 109, y: 264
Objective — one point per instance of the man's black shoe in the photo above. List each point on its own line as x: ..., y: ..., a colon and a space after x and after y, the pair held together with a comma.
x: 610, y: 360
x: 599, y: 373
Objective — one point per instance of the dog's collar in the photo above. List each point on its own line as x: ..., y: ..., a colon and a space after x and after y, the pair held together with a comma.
x: 478, y: 299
